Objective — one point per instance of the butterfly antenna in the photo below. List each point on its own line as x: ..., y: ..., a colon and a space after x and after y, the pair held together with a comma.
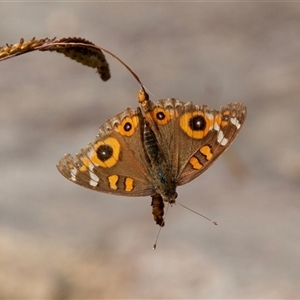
x: 127, y: 67
x: 148, y: 91
x: 214, y: 222
x: 144, y: 91
x: 155, y: 244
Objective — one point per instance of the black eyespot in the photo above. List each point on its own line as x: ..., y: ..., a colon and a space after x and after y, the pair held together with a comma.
x: 104, y: 152
x: 197, y: 123
x: 160, y: 115
x: 127, y: 126
x: 225, y: 118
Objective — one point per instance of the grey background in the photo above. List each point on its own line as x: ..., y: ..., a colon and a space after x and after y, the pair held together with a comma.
x: 59, y: 240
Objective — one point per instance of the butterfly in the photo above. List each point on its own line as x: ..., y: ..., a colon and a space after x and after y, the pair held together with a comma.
x: 147, y: 151
x: 151, y: 150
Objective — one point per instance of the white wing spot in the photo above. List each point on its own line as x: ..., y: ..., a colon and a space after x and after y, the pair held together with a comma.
x: 216, y: 127
x: 73, y: 172
x: 94, y: 179
x: 221, y: 139
x: 210, y: 116
x: 235, y: 122
x: 90, y: 153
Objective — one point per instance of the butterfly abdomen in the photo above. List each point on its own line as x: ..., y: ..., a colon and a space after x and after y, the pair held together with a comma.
x: 158, y: 209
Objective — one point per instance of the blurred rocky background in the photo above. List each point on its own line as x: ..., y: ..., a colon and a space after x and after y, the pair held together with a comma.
x: 59, y: 240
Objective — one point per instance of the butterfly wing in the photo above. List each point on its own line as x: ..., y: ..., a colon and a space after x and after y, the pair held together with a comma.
x: 115, y: 162
x: 192, y: 137
x: 163, y: 119
x: 211, y: 132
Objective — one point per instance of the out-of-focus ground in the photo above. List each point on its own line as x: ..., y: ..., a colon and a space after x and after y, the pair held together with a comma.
x: 59, y: 240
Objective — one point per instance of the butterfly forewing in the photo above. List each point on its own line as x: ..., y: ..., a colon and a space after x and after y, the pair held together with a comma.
x: 163, y: 119
x: 115, y: 162
x: 222, y: 127
x: 190, y: 136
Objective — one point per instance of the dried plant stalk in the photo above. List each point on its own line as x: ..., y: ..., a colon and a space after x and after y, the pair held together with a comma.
x: 78, y: 49
x: 22, y: 47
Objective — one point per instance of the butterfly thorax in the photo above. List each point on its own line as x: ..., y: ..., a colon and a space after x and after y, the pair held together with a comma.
x: 163, y: 181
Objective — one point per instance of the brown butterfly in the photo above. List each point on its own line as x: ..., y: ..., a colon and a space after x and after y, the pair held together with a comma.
x: 151, y: 150
x: 147, y: 151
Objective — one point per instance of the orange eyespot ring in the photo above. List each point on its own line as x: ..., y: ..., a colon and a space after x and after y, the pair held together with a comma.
x: 160, y: 116
x: 225, y: 118
x: 105, y: 153
x: 128, y: 126
x: 196, y: 124
x: 218, y: 119
x: 84, y: 163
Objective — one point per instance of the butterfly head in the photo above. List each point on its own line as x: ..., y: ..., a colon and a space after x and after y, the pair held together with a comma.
x: 170, y: 197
